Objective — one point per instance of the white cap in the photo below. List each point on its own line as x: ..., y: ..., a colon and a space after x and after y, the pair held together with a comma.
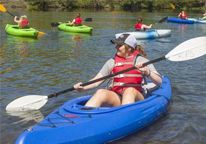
x: 125, y: 39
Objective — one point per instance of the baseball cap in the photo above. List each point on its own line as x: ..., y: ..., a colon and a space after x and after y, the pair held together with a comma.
x: 125, y: 39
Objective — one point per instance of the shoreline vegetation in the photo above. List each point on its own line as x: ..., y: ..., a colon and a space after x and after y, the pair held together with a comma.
x: 133, y: 5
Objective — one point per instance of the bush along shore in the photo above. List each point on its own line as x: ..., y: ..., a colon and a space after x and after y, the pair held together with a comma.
x: 109, y: 4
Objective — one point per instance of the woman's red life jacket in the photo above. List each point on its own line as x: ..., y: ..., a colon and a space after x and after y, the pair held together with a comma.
x: 138, y: 26
x: 183, y: 17
x: 78, y: 21
x: 131, y: 78
x: 24, y: 23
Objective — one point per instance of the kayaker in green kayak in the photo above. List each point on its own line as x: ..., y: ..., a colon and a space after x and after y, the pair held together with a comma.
x: 140, y: 26
x: 77, y: 21
x: 125, y: 88
x: 22, y: 22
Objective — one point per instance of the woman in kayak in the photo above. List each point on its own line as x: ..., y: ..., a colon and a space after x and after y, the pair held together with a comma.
x: 204, y: 17
x: 77, y: 21
x: 140, y: 26
x: 125, y: 88
x: 183, y: 15
x: 22, y: 22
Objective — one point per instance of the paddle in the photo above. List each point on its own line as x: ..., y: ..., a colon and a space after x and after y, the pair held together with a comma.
x: 187, y: 50
x: 55, y: 24
x: 172, y: 6
x: 3, y: 9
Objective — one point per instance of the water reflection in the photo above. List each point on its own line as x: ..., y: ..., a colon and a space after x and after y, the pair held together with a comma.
x: 26, y: 116
x: 182, y: 28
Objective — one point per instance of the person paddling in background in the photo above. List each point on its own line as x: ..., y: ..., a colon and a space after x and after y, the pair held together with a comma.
x: 125, y: 88
x: 204, y: 17
x: 140, y: 26
x: 77, y: 21
x: 183, y: 15
x: 22, y: 22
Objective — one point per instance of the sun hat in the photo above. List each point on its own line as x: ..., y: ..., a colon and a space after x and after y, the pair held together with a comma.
x: 125, y: 39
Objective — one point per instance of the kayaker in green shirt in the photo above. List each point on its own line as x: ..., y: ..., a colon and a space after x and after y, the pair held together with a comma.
x: 125, y: 88
x: 204, y: 17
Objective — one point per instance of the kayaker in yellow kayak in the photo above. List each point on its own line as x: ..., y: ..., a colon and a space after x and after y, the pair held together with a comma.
x: 140, y: 26
x: 22, y: 22
x: 125, y: 88
x: 77, y: 21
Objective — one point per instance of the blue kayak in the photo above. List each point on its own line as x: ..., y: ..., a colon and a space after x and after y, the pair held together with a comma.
x: 179, y: 20
x: 73, y: 123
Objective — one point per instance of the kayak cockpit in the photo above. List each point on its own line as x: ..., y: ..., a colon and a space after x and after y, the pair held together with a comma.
x: 78, y: 105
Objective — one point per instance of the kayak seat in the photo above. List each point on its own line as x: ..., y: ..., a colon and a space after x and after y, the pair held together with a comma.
x: 148, y: 88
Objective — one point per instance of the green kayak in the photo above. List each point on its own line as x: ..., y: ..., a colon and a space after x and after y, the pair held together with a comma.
x: 75, y: 29
x: 14, y: 30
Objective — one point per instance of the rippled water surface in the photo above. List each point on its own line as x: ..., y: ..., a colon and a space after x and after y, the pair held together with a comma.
x: 56, y: 61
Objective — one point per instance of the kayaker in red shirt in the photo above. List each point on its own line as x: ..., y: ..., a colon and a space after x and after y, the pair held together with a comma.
x: 125, y: 88
x: 140, y: 26
x: 183, y: 15
x: 22, y: 22
x: 77, y: 21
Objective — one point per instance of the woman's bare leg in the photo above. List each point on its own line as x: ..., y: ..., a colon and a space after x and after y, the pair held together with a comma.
x: 104, y: 96
x: 131, y: 95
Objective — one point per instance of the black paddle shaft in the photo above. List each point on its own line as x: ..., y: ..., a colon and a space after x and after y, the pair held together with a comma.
x: 106, y: 77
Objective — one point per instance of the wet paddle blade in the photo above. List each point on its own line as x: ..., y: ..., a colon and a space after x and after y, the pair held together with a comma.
x: 189, y: 49
x: 172, y: 6
x: 55, y: 24
x: 88, y: 19
x: 2, y: 8
x: 41, y: 33
x: 26, y: 103
x: 163, y: 20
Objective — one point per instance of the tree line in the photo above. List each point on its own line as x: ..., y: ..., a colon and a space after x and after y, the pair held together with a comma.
x: 123, y: 4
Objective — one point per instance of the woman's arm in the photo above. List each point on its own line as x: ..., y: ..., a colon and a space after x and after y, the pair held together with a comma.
x: 91, y: 86
x: 153, y: 75
x: 15, y: 19
x: 71, y: 23
x: 147, y: 27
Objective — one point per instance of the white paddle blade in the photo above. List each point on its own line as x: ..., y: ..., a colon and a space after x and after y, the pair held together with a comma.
x: 25, y: 103
x: 187, y: 50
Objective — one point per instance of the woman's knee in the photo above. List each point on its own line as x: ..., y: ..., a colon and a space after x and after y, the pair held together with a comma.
x: 101, y: 94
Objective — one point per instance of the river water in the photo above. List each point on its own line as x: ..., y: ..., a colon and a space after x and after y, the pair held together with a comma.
x: 56, y: 61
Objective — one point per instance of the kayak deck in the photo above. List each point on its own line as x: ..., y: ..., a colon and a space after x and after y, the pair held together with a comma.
x: 149, y: 34
x: 73, y: 123
x: 198, y: 20
x: 75, y: 29
x: 179, y: 20
x: 14, y: 30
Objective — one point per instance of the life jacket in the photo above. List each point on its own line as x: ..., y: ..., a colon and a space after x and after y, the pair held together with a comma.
x: 131, y: 78
x: 138, y: 27
x: 183, y: 17
x: 78, y: 21
x: 24, y: 23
